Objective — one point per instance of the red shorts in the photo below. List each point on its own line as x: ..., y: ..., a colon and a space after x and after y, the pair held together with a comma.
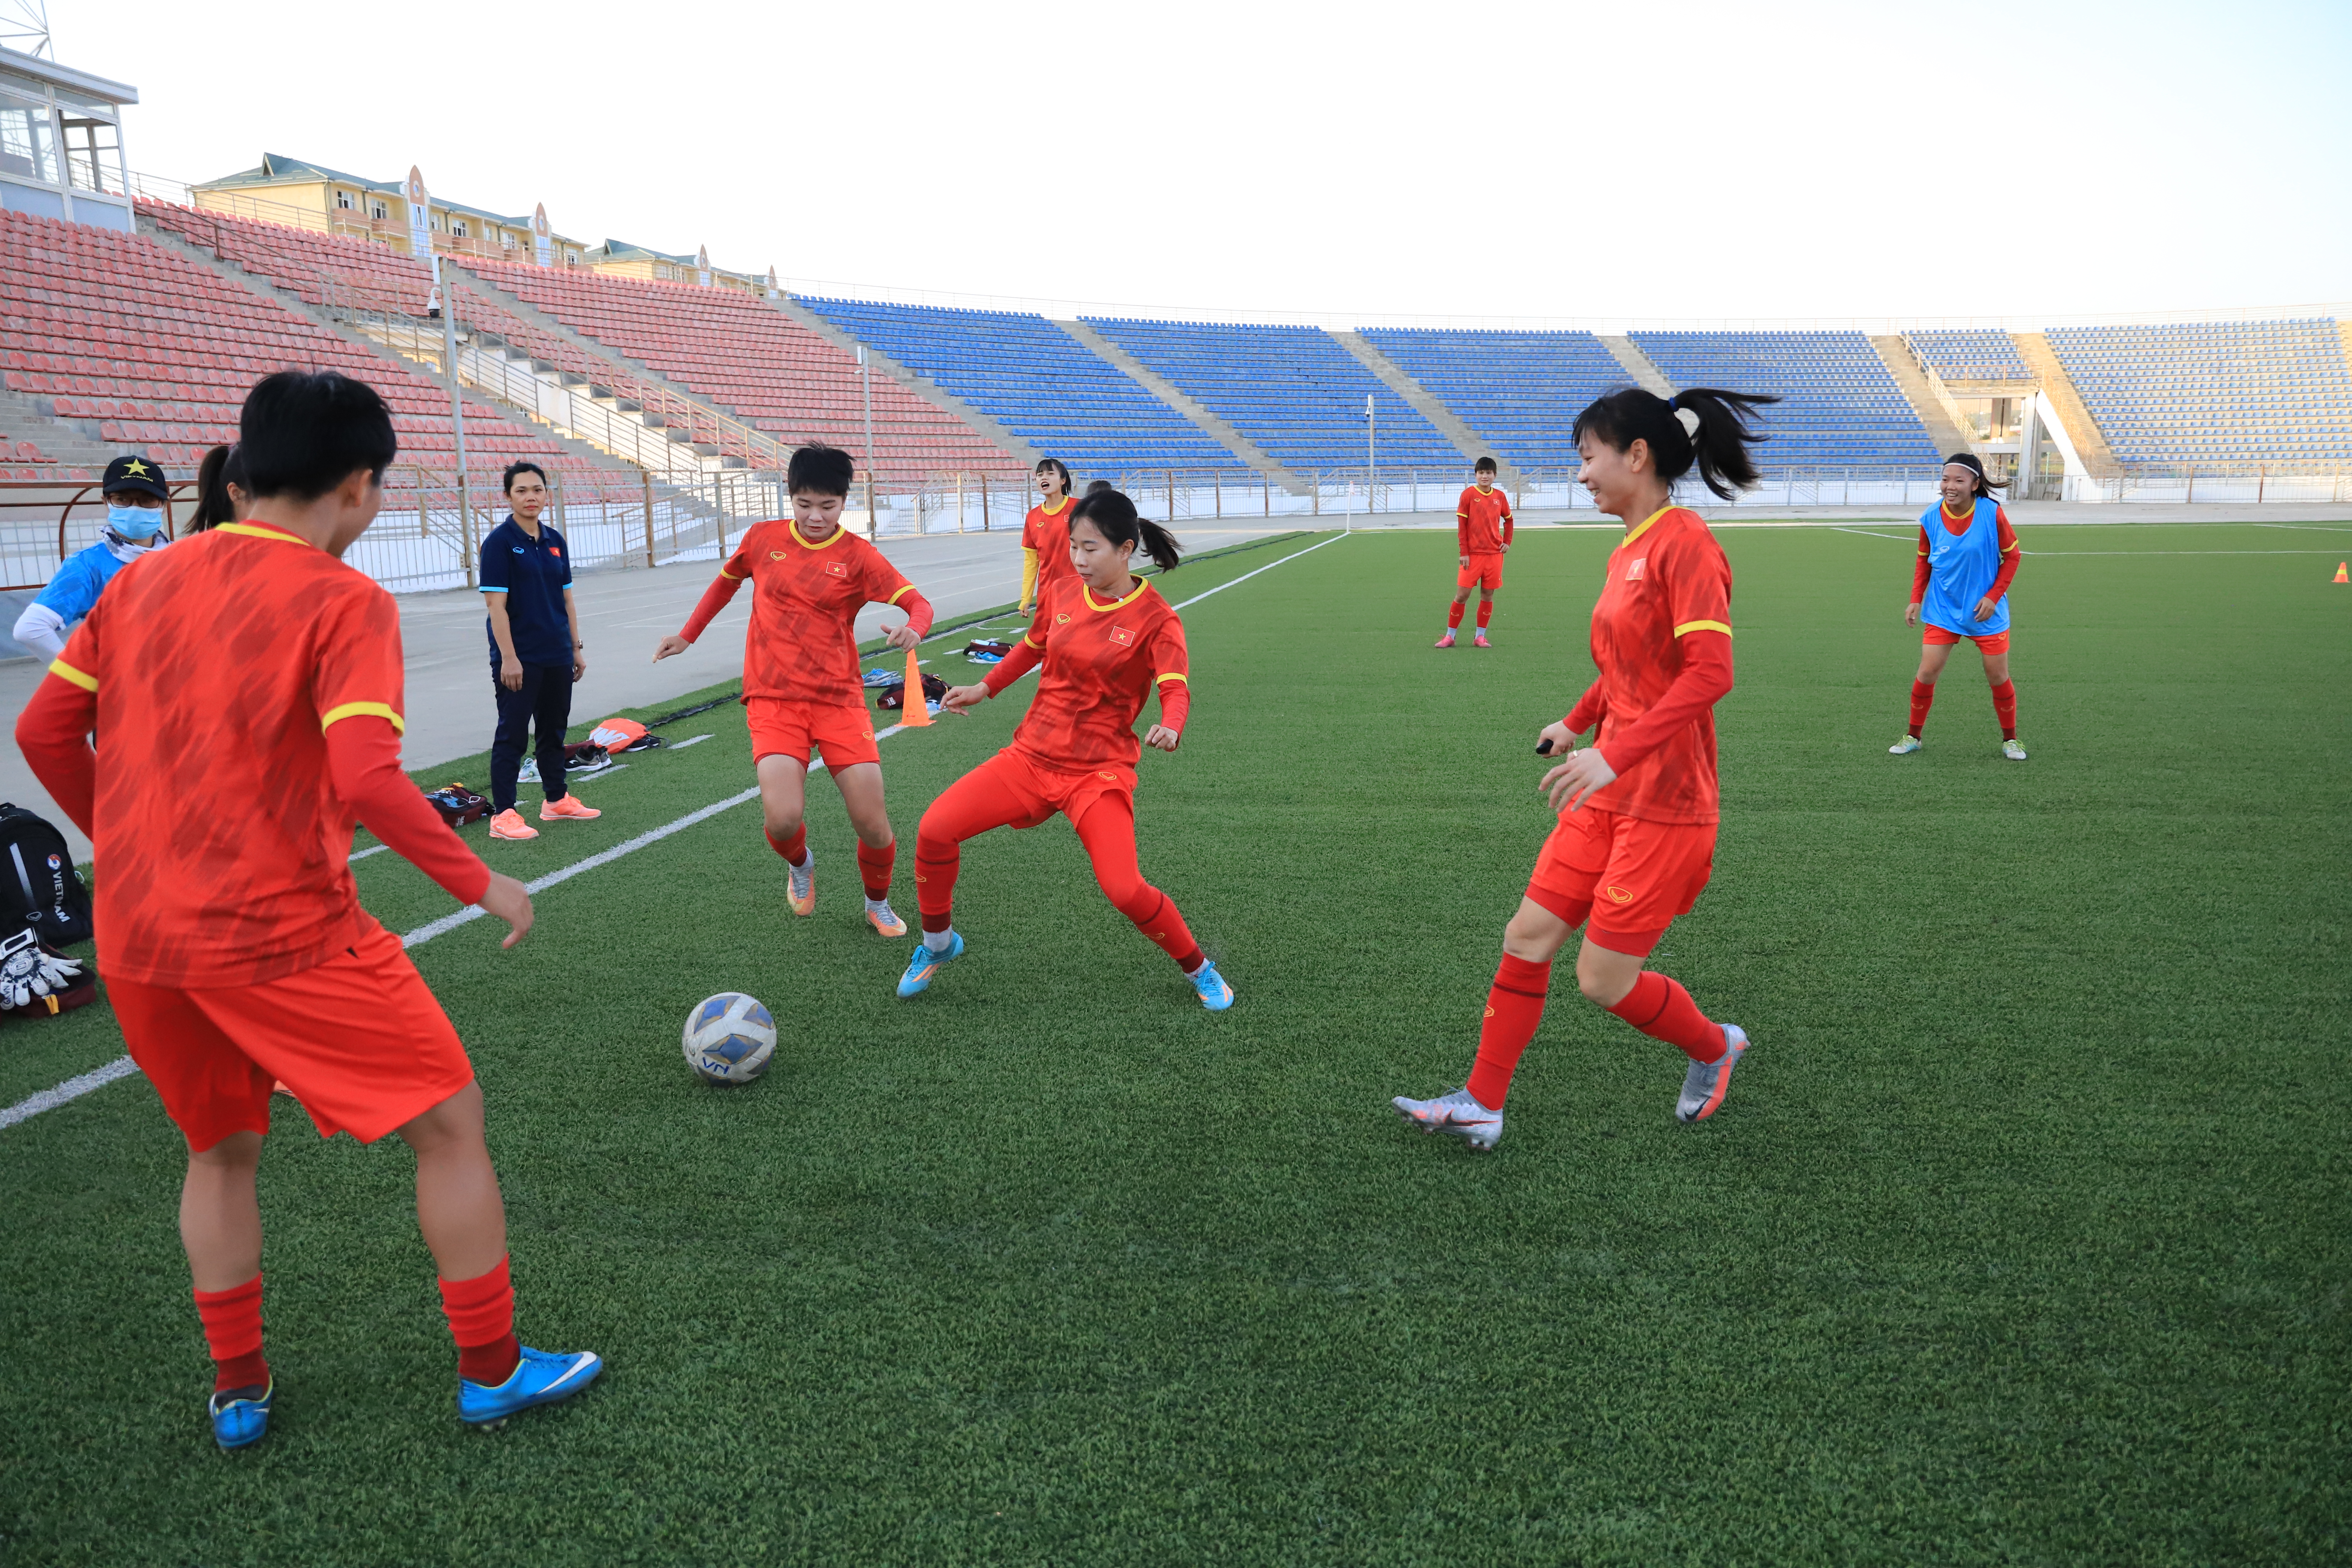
x: 1039, y: 790
x: 1481, y: 571
x: 359, y: 1040
x: 782, y: 727
x: 1639, y: 876
x: 1934, y: 635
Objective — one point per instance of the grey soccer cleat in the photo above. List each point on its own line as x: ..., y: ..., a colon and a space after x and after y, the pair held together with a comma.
x: 1456, y: 1113
x: 1704, y: 1084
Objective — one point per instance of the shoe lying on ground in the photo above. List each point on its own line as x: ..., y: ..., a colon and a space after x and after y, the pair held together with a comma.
x: 923, y: 964
x: 1704, y: 1084
x: 540, y: 1377
x: 1456, y: 1114
x: 509, y: 824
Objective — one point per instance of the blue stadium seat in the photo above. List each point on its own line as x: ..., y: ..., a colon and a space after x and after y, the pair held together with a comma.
x: 1841, y: 408
x: 2214, y: 392
x: 1971, y: 355
x: 1520, y: 389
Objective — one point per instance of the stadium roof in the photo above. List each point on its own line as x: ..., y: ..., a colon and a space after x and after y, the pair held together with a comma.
x: 66, y: 76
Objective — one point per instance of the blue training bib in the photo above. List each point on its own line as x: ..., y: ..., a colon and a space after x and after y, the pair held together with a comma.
x: 1960, y: 569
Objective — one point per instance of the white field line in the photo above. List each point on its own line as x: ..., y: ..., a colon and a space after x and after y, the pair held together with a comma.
x: 2336, y: 552
x: 371, y: 849
x: 123, y: 1067
x: 696, y: 740
x: 1867, y: 533
x: 573, y: 778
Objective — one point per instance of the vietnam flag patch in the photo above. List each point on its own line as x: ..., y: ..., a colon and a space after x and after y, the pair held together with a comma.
x: 1122, y: 637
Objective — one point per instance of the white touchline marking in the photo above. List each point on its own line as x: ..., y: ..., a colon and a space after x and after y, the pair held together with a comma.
x: 123, y: 1067
x: 573, y: 778
x: 1866, y: 533
x: 371, y: 849
x: 681, y: 745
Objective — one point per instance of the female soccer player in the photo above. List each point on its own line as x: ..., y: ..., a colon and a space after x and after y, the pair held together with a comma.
x: 1968, y: 558
x: 1106, y: 638
x: 1482, y: 527
x: 1045, y: 533
x: 1637, y: 808
x: 810, y: 578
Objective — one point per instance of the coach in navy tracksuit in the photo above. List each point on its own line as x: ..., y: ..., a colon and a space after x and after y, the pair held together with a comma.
x: 535, y: 651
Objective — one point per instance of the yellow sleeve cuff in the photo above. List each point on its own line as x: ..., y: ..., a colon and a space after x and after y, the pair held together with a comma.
x: 899, y: 594
x: 728, y: 575
x: 364, y: 711
x: 65, y: 671
x: 1033, y: 642
x: 1703, y: 626
x: 1170, y: 675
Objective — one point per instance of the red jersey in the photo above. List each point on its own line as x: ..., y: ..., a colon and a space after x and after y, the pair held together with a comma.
x: 223, y: 849
x: 803, y: 642
x: 2009, y: 554
x: 1048, y: 534
x: 1482, y: 521
x: 1101, y: 659
x: 1667, y: 579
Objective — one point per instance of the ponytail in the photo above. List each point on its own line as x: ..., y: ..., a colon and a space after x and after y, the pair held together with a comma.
x: 1701, y: 424
x: 1115, y: 518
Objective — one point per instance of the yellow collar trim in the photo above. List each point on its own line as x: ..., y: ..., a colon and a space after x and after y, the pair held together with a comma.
x: 259, y: 531
x: 1088, y: 595
x: 835, y: 537
x: 1946, y: 507
x: 1643, y: 527
x: 1056, y: 510
x: 1484, y: 490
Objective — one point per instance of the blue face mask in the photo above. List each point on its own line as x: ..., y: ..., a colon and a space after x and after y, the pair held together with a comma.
x: 135, y: 521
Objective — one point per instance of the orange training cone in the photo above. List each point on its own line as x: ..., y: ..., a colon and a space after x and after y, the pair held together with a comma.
x: 2342, y: 575
x: 916, y: 711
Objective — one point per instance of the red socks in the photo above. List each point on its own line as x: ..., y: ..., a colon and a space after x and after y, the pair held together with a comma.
x: 874, y: 867
x: 1485, y: 609
x: 1922, y: 697
x: 232, y: 1319
x: 481, y: 1320
x: 1663, y: 1010
x: 2004, y: 708
x: 1454, y: 620
x: 1515, y: 1006
x: 793, y: 849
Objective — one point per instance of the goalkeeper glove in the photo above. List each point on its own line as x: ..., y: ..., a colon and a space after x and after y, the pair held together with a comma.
x: 30, y: 968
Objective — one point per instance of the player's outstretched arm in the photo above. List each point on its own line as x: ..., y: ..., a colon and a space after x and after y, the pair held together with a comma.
x: 510, y: 902
x: 715, y: 598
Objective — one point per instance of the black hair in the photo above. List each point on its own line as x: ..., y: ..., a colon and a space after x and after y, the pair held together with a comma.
x: 1971, y: 461
x: 1719, y: 446
x: 1115, y: 518
x: 1485, y: 466
x: 1097, y: 487
x: 506, y: 484
x: 821, y: 470
x: 1059, y: 466
x: 303, y: 432
x: 219, y: 470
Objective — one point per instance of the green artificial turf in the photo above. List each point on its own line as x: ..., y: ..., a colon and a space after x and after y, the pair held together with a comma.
x: 2020, y: 1239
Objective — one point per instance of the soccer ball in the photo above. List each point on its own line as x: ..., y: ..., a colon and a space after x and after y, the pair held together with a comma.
x: 729, y: 1039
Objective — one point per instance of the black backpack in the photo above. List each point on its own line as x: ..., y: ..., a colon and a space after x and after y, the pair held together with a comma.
x: 39, y: 888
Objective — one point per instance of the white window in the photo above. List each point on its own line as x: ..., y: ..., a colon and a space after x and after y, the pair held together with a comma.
x: 378, y: 211
x: 457, y: 227
x: 28, y: 140
x: 343, y: 200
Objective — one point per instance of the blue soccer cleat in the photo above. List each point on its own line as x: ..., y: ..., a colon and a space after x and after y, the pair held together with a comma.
x: 240, y: 1422
x: 1215, y: 994
x: 922, y: 963
x: 541, y: 1377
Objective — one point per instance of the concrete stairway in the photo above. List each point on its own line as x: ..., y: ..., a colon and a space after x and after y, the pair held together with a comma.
x: 1169, y: 392
x: 68, y: 443
x: 1466, y: 441
x: 2090, y: 441
x: 1639, y: 365
x: 1929, y: 401
x: 987, y: 427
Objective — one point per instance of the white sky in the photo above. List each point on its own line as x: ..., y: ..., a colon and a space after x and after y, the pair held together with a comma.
x: 1689, y: 159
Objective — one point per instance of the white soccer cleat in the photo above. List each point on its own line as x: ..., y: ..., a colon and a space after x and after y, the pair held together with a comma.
x: 1458, y: 1114
x: 1905, y: 746
x: 2014, y: 751
x: 1704, y: 1083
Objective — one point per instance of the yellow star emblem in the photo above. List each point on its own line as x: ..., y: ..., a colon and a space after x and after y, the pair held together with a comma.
x: 136, y: 467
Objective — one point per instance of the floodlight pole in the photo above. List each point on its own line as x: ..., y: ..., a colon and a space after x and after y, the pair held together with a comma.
x: 865, y: 391
x: 457, y: 397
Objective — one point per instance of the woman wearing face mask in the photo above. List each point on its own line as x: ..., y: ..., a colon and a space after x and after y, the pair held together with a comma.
x: 134, y: 525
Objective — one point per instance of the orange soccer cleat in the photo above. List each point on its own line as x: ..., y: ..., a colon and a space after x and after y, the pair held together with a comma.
x: 800, y: 889
x: 509, y: 824
x: 569, y: 806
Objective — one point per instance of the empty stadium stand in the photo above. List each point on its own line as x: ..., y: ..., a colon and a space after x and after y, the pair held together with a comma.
x: 1520, y: 389
x: 1036, y: 380
x: 1292, y: 389
x: 1971, y: 355
x: 1841, y: 408
x: 748, y: 357
x: 158, y: 351
x: 2214, y: 392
